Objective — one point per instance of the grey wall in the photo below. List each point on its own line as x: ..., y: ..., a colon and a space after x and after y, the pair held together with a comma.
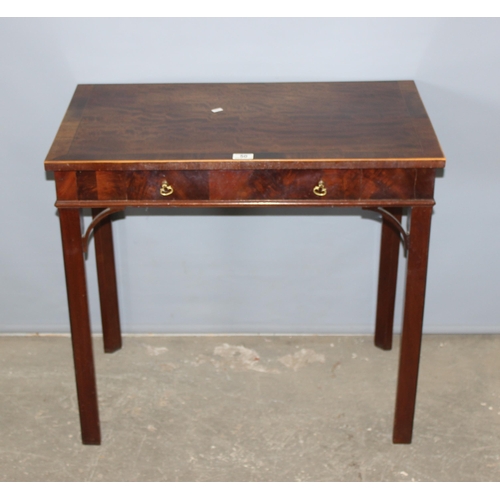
x: 241, y: 270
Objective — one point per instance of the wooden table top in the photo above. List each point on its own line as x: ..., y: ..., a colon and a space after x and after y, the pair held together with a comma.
x: 283, y: 125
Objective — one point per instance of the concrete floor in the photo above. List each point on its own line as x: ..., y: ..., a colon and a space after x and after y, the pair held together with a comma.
x: 250, y: 408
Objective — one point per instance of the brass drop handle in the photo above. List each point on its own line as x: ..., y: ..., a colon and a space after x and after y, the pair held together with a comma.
x: 320, y: 189
x: 166, y: 189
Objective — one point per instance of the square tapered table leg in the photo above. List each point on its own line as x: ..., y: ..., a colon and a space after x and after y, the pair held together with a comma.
x: 76, y: 285
x: 106, y: 276
x: 387, y: 280
x: 416, y: 274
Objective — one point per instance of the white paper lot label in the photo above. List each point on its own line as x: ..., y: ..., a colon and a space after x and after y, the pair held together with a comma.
x: 242, y: 156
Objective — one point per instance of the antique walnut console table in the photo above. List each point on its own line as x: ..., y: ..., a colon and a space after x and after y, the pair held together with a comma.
x: 365, y: 144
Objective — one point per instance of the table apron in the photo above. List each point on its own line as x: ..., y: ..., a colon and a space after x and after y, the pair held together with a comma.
x: 312, y: 187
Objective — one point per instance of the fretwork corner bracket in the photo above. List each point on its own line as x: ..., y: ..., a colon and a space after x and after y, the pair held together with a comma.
x: 96, y: 220
x: 395, y: 223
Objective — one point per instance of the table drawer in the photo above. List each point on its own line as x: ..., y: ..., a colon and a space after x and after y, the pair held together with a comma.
x: 169, y: 186
x: 284, y: 185
x: 134, y: 186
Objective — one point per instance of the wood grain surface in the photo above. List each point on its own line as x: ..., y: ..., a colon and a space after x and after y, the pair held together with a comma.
x: 279, y: 123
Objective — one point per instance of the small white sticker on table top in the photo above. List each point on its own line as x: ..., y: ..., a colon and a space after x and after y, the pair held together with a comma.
x: 242, y: 156
x: 217, y: 110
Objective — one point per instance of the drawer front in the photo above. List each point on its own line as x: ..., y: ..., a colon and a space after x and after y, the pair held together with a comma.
x: 170, y: 186
x: 285, y: 185
x: 322, y: 185
x: 138, y: 186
